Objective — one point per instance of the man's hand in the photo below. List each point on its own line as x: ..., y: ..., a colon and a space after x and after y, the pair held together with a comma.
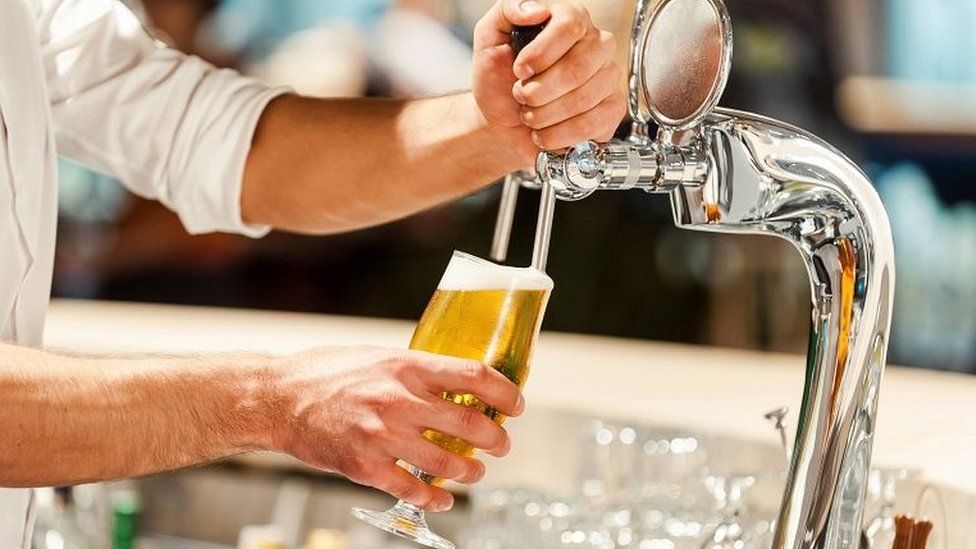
x: 563, y: 88
x: 306, y: 173
x: 357, y: 411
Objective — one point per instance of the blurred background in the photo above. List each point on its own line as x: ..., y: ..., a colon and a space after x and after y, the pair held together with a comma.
x: 890, y: 82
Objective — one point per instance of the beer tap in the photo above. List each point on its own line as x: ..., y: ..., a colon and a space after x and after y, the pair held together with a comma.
x: 730, y: 171
x: 506, y: 214
x: 521, y: 36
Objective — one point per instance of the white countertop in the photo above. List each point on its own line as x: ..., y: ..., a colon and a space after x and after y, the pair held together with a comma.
x: 927, y: 420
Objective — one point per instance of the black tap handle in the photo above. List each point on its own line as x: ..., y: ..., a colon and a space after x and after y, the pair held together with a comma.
x: 521, y: 36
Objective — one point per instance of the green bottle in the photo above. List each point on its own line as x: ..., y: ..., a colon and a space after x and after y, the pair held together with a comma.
x: 125, y: 519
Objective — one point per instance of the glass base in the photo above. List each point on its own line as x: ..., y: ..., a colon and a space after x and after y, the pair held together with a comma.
x: 406, y: 521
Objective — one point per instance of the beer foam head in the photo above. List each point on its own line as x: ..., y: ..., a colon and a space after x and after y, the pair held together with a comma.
x: 467, y: 272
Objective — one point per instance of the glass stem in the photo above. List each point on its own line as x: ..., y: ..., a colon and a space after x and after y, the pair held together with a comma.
x: 409, y: 512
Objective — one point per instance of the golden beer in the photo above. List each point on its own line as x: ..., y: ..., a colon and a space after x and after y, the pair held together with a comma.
x: 485, y: 312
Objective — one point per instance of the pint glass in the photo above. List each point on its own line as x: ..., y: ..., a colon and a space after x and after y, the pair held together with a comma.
x: 480, y: 311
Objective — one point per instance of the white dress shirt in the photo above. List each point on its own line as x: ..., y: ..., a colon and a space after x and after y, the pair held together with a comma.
x: 83, y: 79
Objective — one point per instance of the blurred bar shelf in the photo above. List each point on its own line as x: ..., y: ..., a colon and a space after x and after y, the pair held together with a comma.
x: 879, y: 105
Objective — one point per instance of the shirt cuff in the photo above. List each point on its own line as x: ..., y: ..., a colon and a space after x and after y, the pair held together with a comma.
x: 213, y: 202
x: 248, y: 229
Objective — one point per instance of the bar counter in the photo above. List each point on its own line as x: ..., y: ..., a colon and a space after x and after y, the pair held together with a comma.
x: 927, y: 419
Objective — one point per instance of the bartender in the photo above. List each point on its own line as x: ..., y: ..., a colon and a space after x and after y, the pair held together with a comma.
x: 83, y: 79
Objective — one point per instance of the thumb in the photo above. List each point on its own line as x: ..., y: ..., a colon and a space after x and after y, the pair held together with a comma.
x: 524, y: 12
x: 496, y: 26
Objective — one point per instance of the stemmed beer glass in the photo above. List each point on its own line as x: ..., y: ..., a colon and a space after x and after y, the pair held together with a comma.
x: 480, y: 311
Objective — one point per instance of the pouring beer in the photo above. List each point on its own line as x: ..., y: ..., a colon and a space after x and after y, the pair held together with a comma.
x: 484, y: 312
x: 480, y: 311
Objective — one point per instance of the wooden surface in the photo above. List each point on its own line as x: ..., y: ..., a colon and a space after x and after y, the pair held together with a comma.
x: 927, y: 420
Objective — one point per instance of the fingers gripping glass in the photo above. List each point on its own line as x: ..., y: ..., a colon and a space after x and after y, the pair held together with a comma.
x: 480, y: 311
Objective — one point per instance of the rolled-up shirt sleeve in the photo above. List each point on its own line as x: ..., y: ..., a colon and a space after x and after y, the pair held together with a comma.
x: 170, y: 126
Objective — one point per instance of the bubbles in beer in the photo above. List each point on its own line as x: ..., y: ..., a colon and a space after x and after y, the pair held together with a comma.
x: 484, y: 312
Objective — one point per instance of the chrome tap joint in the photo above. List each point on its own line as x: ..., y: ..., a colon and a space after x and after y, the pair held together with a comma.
x: 587, y: 167
x: 620, y: 166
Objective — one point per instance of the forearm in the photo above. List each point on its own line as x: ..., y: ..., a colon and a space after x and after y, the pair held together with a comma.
x: 70, y: 420
x: 326, y: 166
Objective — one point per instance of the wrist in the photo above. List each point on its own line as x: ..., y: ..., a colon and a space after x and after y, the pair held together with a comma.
x: 254, y: 411
x: 511, y: 148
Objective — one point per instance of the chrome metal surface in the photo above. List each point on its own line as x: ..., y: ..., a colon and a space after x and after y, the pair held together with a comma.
x: 770, y: 178
x: 735, y: 172
x: 577, y: 172
x: 543, y: 228
x: 506, y: 216
x: 621, y: 165
x: 506, y: 211
x: 636, y: 100
x: 685, y: 52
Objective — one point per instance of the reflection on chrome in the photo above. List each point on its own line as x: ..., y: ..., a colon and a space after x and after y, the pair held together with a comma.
x: 735, y: 172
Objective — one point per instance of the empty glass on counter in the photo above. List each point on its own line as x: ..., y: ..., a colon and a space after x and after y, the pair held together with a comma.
x: 642, y: 487
x: 637, y: 487
x: 519, y: 518
x: 733, y: 529
x: 480, y: 311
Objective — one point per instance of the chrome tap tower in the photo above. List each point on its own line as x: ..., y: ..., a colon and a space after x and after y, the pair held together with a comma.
x: 735, y: 172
